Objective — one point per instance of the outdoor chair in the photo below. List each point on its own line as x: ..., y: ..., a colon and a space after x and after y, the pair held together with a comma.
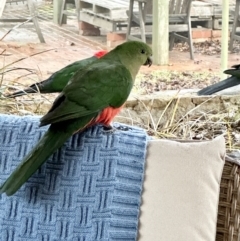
x: 95, y: 185
x: 13, y: 6
x: 65, y: 12
x: 236, y: 24
x: 179, y: 21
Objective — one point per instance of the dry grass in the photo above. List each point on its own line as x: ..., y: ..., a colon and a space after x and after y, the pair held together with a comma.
x: 192, y: 126
x: 11, y: 78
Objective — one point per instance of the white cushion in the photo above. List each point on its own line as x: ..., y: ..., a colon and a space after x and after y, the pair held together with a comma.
x: 181, y: 190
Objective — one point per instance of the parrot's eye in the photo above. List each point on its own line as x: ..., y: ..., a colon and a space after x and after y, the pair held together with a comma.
x: 143, y: 51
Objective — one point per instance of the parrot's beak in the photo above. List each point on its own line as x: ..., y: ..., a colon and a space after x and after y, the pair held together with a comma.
x: 149, y: 61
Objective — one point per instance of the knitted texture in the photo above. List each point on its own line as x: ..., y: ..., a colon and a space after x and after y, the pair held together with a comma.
x: 89, y: 190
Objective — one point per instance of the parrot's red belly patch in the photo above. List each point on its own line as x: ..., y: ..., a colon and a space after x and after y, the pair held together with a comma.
x: 107, y: 115
x: 104, y: 118
x: 100, y: 54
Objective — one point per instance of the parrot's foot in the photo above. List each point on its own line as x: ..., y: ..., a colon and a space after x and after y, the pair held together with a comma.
x: 108, y: 129
x: 123, y: 128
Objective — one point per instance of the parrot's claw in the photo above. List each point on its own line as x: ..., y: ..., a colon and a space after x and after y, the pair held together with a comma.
x: 123, y: 128
x: 108, y: 129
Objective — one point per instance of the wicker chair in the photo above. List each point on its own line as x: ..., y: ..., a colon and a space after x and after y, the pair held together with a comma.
x: 229, y: 203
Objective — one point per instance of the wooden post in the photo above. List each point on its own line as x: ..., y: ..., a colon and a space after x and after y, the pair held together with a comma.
x: 224, y: 38
x: 2, y: 5
x: 57, y: 4
x: 160, y: 35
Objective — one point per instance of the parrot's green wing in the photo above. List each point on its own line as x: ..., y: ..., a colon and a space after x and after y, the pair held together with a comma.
x: 57, y: 81
x: 102, y: 84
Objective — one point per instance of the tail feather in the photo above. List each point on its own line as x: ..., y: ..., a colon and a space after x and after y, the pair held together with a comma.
x: 224, y: 84
x: 49, y: 143
x: 31, y: 89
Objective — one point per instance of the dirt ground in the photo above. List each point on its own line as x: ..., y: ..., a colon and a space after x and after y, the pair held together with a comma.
x: 61, y: 54
x: 65, y: 46
x: 38, y: 66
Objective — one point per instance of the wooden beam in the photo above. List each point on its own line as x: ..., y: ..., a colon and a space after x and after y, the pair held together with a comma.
x: 97, y: 21
x: 160, y: 43
x: 224, y: 38
x: 57, y: 4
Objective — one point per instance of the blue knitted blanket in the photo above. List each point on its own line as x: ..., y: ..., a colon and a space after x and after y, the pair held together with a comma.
x: 89, y: 190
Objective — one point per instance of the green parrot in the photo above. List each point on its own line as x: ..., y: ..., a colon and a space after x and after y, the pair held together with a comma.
x: 104, y: 87
x: 58, y: 80
x: 224, y: 84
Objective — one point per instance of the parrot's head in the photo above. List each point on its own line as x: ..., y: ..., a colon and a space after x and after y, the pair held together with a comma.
x: 139, y: 53
x: 132, y: 54
x: 142, y: 51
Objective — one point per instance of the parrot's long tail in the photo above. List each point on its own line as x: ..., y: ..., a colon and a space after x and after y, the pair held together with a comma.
x: 49, y: 143
x: 31, y: 89
x: 224, y: 84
